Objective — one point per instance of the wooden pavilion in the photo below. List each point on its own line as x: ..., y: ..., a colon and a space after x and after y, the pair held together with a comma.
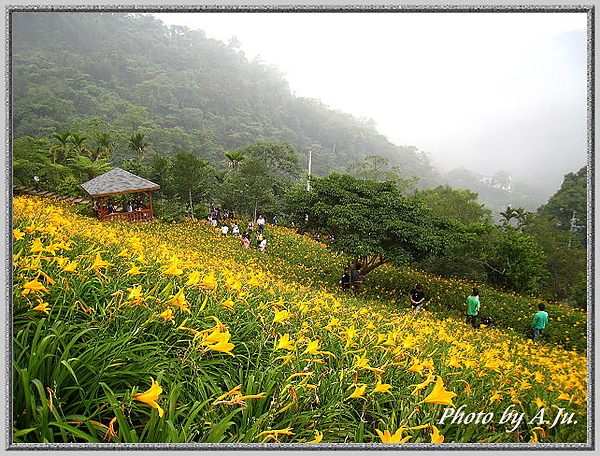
x: 117, y: 181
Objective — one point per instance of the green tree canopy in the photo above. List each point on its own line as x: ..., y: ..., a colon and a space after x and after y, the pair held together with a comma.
x: 514, y: 260
x: 191, y: 176
x: 257, y: 183
x: 460, y: 204
x: 372, y: 221
x: 377, y: 168
x: 570, y: 199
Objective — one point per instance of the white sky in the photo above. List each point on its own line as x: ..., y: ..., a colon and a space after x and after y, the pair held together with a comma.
x: 487, y: 91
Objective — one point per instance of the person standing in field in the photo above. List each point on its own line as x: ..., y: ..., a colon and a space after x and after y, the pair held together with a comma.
x: 473, y: 307
x: 357, y: 278
x: 260, y: 221
x: 263, y: 244
x: 417, y: 296
x: 346, y: 281
x: 540, y: 320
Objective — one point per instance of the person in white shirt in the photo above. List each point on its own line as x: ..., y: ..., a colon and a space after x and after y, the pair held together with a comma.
x: 263, y: 244
x: 260, y: 221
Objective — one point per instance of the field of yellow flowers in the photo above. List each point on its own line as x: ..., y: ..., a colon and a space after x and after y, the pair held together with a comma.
x: 172, y: 333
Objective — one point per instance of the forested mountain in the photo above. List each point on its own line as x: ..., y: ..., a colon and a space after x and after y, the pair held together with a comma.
x: 125, y: 73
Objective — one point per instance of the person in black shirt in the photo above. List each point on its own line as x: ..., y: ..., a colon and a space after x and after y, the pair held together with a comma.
x: 346, y: 280
x: 417, y: 296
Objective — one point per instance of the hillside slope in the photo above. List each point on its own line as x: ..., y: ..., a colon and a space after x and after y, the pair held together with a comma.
x: 239, y: 350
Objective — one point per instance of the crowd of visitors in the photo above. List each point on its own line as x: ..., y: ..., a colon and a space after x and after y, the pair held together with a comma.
x: 111, y: 207
x: 232, y: 225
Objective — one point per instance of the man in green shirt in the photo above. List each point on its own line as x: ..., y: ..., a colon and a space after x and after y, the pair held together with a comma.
x: 540, y: 320
x: 473, y: 307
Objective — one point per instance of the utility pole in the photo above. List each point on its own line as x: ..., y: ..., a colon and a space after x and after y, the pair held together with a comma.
x: 191, y: 204
x: 573, y: 228
x: 309, y: 170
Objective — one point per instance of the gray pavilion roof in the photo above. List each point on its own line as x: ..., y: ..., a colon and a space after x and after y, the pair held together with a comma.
x: 117, y: 181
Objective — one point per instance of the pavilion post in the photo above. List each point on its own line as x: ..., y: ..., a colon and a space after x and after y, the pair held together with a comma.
x: 151, y: 206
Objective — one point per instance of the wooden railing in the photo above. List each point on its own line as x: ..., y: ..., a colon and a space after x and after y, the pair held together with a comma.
x: 133, y: 216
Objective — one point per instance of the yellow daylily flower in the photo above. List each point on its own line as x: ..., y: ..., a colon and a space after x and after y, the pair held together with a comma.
x: 318, y: 437
x: 42, y: 307
x: 361, y: 361
x: 436, y: 437
x: 333, y: 321
x: 409, y: 341
x: 281, y: 315
x: 453, y: 362
x: 178, y: 300
x: 71, y: 267
x: 135, y: 270
x: 312, y: 347
x: 209, y: 282
x: 228, y: 303
x: 35, y: 285
x: 223, y: 346
x: 141, y: 259
x: 430, y: 378
x: 386, y: 437
x: 493, y: 365
x: 496, y: 397
x: 167, y: 315
x: 382, y: 387
x: 428, y: 364
x: 150, y: 396
x: 358, y: 392
x: 100, y: 263
x: 135, y: 293
x: 285, y: 343
x: 37, y: 246
x: 286, y: 431
x: 193, y: 278
x: 416, y: 366
x: 61, y: 261
x: 439, y: 395
x: 218, y: 341
x: 254, y: 281
x: 172, y: 269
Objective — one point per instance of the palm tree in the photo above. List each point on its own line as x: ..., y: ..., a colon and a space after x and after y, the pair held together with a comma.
x: 87, y: 168
x: 235, y: 158
x: 509, y: 214
x: 137, y: 144
x: 220, y: 176
x: 522, y: 216
x: 78, y: 143
x: 60, y: 152
x: 105, y: 146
